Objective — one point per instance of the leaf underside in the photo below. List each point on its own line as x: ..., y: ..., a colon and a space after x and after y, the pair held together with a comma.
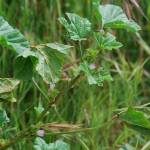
x: 7, y: 86
x: 112, y: 16
x: 51, y: 58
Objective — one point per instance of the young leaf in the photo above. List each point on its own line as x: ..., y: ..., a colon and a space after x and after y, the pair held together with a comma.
x: 40, y: 144
x: 113, y: 17
x: 85, y: 68
x: 77, y: 27
x: 95, y: 76
x: 3, y: 118
x: 107, y: 41
x: 137, y: 120
x: 51, y: 58
x: 7, y: 85
x: 39, y: 109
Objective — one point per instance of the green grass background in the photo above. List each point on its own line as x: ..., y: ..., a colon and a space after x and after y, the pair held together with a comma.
x: 91, y: 106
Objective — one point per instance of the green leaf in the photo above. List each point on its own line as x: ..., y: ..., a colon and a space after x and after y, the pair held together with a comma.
x: 113, y: 17
x: 85, y: 68
x: 107, y: 41
x: 95, y: 76
x: 7, y: 85
x: 3, y: 118
x: 135, y: 117
x: 24, y: 65
x: 136, y: 120
x: 12, y: 39
x: 77, y: 27
x: 39, y: 109
x: 141, y: 130
x: 127, y: 147
x: 59, y: 47
x: 59, y: 145
x: 51, y: 58
x: 40, y: 144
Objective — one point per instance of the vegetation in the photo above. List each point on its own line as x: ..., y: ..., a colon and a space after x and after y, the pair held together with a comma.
x: 74, y: 75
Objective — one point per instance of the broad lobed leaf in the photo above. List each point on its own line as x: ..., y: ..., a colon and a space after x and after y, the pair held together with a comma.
x: 137, y: 120
x: 135, y: 117
x: 51, y: 58
x: 113, y: 17
x: 77, y: 27
x: 127, y: 147
x: 47, y: 62
x: 106, y: 41
x: 12, y: 38
x: 7, y: 85
x: 95, y: 76
x: 59, y: 47
x: 24, y: 65
x: 40, y: 144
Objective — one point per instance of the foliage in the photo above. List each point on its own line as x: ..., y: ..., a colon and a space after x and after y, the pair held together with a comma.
x: 127, y: 147
x: 51, y: 58
x: 3, y: 118
x: 114, y: 17
x: 95, y: 76
x: 7, y: 85
x: 137, y: 120
x: 107, y: 41
x: 40, y: 144
x: 48, y: 82
x: 77, y: 26
x: 12, y: 38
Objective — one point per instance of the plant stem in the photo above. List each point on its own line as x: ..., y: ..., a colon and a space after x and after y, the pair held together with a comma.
x: 17, y: 138
x: 29, y: 131
x: 86, y: 129
x: 80, y: 48
x: 54, y: 101
x: 42, y: 92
